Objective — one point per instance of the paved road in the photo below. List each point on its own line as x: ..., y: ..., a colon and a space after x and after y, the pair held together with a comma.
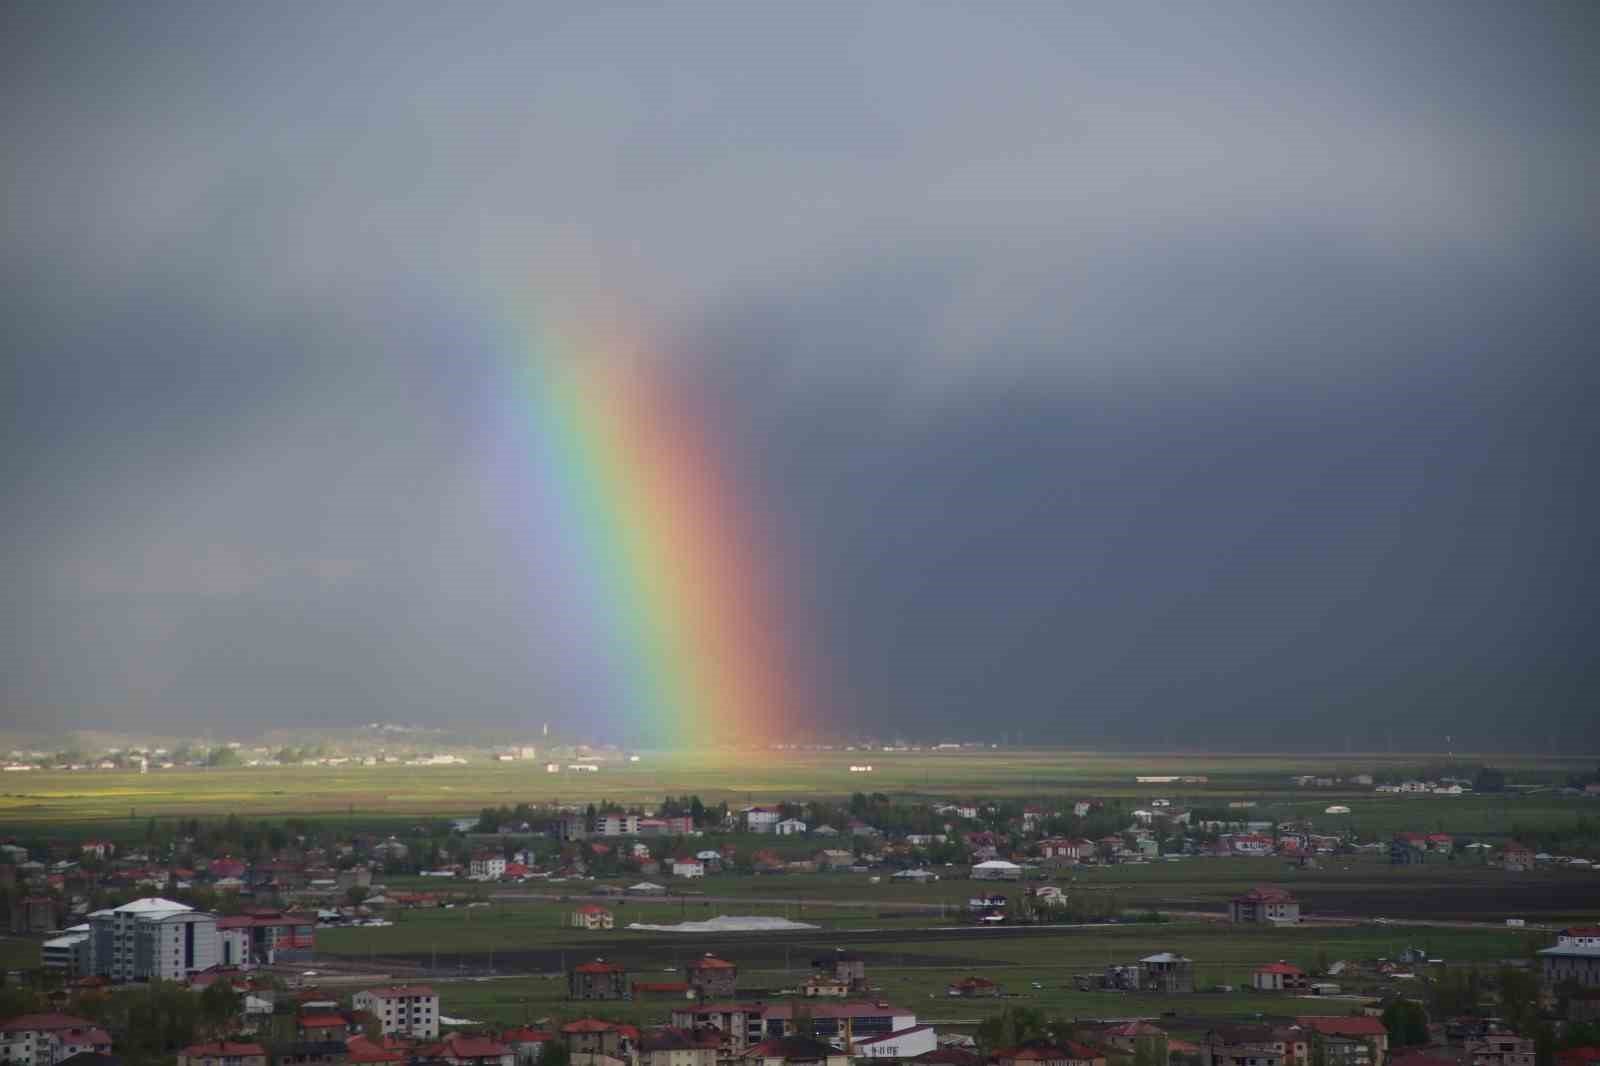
x: 897, y: 906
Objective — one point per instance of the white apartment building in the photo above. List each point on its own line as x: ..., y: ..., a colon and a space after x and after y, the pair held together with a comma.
x: 487, y: 866
x: 46, y: 1039
x: 68, y: 954
x: 403, y: 1010
x: 153, y: 939
x: 760, y: 819
x: 617, y: 825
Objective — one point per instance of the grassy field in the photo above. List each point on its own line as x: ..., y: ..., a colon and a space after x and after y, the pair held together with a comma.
x: 914, y: 972
x: 91, y: 802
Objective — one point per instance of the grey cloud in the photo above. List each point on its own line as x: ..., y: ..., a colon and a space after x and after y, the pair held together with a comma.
x: 1204, y: 371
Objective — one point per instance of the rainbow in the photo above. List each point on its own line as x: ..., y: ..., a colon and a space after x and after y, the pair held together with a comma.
x: 659, y: 550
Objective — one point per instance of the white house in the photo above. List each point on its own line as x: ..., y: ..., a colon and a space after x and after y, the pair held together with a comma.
x: 789, y: 827
x: 1579, y: 936
x: 404, y: 1010
x: 46, y: 1039
x: 617, y: 825
x: 760, y: 819
x: 487, y: 867
x: 687, y: 867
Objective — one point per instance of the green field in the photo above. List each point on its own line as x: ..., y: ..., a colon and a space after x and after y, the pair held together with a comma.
x: 915, y: 972
x: 87, y: 802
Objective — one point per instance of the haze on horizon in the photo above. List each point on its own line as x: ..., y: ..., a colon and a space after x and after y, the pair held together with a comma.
x: 1217, y: 376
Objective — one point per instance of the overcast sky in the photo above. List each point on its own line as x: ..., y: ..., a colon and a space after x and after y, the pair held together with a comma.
x: 1218, y: 375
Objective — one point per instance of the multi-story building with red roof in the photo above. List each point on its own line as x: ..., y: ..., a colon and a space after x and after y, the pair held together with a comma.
x: 403, y: 1010
x: 598, y: 979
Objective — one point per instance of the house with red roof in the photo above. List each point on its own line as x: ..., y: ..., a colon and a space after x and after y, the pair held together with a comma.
x: 49, y: 1038
x: 526, y: 1043
x: 1517, y: 856
x: 380, y: 1052
x: 1278, y: 977
x: 595, y: 1036
x: 669, y: 1046
x: 1255, y: 1045
x: 711, y: 977
x: 223, y: 1053
x: 593, y: 917
x: 402, y: 1010
x: 1045, y: 1053
x: 1067, y: 850
x: 1352, y: 1026
x: 1579, y: 936
x: 327, y: 1025
x: 794, y: 1051
x: 459, y: 1049
x: 973, y: 988
x: 1265, y: 905
x: 272, y: 935
x: 598, y: 979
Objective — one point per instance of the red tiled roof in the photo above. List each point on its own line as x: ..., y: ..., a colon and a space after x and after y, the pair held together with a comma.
x: 321, y: 1021
x: 710, y: 962
x: 524, y: 1035
x: 46, y: 1023
x: 1581, y: 930
x: 600, y: 966
x: 1048, y: 1052
x: 589, y: 1025
x: 592, y: 908
x: 461, y: 1046
x: 1346, y: 1025
x: 363, y: 1050
x: 223, y: 1047
x: 1281, y: 967
x: 1262, y: 894
x: 1578, y: 1056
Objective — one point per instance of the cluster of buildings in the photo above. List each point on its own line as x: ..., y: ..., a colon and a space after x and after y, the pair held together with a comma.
x: 158, y: 939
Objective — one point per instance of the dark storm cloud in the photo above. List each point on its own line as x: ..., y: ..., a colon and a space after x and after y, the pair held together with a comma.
x: 1134, y: 375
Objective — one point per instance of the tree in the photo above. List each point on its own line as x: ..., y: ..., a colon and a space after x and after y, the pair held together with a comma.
x: 1012, y: 1026
x: 1407, y: 1023
x: 555, y: 1054
x: 1152, y: 1050
x: 1519, y: 997
x: 219, y: 1006
x: 223, y: 757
